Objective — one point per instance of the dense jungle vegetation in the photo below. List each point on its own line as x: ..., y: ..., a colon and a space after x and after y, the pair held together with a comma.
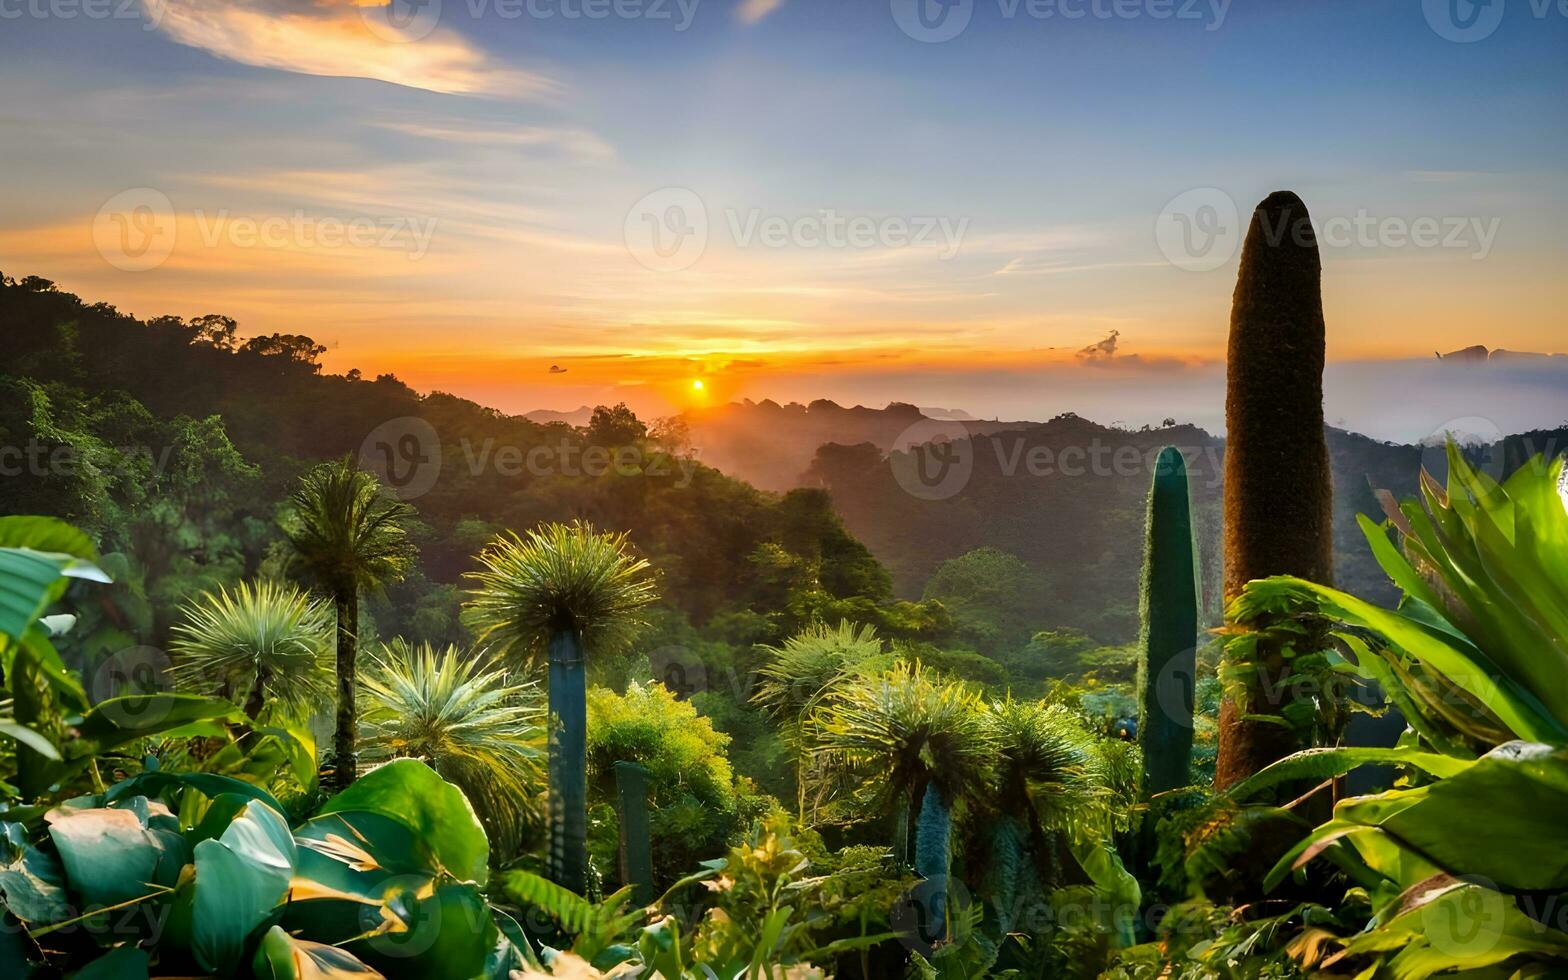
x: 270, y: 712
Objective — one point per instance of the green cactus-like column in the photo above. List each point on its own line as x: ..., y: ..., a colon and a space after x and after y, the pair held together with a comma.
x: 1167, y: 659
x: 1278, y: 487
x: 568, y: 695
x: 631, y: 800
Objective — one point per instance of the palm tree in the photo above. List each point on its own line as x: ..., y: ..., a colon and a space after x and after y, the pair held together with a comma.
x: 1043, y: 781
x: 348, y: 537
x: 555, y: 596
x: 479, y: 728
x: 263, y: 645
x: 909, y: 743
x: 802, y: 672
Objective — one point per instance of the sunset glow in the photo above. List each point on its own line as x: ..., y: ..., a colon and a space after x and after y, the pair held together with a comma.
x: 465, y: 203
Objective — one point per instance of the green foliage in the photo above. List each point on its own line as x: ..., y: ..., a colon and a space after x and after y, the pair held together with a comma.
x: 205, y: 874
x: 469, y: 721
x: 696, y: 806
x: 262, y: 645
x: 882, y: 740
x: 990, y: 594
x: 560, y: 576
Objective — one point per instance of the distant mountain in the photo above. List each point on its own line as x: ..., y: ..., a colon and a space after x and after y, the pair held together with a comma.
x: 576, y: 418
x: 1068, y: 497
x: 771, y: 445
x: 1479, y: 354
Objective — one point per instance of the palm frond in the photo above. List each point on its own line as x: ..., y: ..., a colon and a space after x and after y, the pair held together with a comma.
x: 229, y: 638
x: 801, y: 671
x: 559, y: 576
x: 879, y: 738
x: 466, y: 718
x: 347, y: 533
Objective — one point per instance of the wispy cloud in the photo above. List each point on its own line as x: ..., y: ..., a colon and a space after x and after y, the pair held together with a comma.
x: 751, y: 11
x: 341, y: 40
x: 575, y: 142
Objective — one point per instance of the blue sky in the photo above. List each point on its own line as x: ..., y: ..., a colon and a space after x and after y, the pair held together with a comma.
x: 498, y: 163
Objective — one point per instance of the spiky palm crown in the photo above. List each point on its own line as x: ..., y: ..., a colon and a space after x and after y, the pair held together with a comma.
x: 806, y: 666
x: 347, y: 533
x: 1042, y: 750
x: 878, y: 739
x: 559, y: 576
x: 228, y: 637
x: 474, y: 724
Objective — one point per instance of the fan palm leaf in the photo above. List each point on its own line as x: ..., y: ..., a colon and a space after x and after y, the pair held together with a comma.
x: 479, y: 728
x: 266, y: 645
x: 558, y: 577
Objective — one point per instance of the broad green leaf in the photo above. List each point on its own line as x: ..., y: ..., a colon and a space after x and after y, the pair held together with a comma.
x: 448, y: 936
x: 46, y: 534
x: 112, y: 856
x: 155, y: 783
x: 32, y: 883
x: 240, y: 878
x: 281, y: 956
x: 33, y: 740
x: 1326, y: 763
x: 410, y: 792
x: 31, y: 580
x: 117, y: 721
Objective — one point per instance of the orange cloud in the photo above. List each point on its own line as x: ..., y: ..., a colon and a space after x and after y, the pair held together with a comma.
x: 343, y: 40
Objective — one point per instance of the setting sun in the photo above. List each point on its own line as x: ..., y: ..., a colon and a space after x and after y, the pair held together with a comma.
x: 697, y: 385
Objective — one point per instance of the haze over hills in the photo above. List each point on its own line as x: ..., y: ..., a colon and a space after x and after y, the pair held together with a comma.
x: 1065, y: 496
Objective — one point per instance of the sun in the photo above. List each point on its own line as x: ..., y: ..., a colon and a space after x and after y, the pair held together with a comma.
x: 697, y: 385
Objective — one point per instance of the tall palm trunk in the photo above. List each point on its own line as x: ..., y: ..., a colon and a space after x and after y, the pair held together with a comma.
x: 568, y: 761
x: 934, y: 856
x: 344, y: 748
x: 631, y: 793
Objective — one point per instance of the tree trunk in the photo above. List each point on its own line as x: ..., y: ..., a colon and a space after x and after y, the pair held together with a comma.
x: 631, y: 792
x: 568, y: 696
x: 933, y: 858
x: 1278, y: 487
x: 345, y: 758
